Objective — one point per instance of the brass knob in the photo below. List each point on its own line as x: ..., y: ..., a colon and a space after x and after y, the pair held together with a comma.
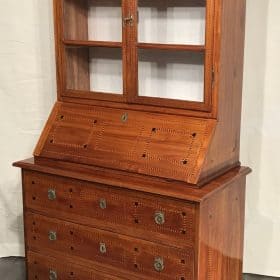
x: 52, y: 275
x: 159, y: 218
x: 52, y: 235
x: 102, y: 248
x: 102, y: 203
x: 51, y: 194
x: 159, y: 264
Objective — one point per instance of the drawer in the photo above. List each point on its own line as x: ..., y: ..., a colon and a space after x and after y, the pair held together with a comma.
x: 106, y: 249
x: 46, y: 268
x: 124, y: 211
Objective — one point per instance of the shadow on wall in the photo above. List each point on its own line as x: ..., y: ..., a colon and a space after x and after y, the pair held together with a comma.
x: 14, y: 223
x: 251, y: 133
x: 31, y: 94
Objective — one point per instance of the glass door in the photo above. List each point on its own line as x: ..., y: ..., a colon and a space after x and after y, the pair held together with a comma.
x: 174, y: 53
x: 93, y: 49
x: 144, y: 52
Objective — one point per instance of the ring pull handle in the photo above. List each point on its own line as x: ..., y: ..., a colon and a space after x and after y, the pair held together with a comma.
x: 103, y: 203
x: 102, y: 248
x: 52, y: 275
x: 159, y: 264
x: 51, y: 194
x: 159, y: 218
x: 52, y: 235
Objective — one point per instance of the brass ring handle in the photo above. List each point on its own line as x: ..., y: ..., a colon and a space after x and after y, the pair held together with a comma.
x: 102, y: 203
x: 102, y: 248
x: 52, y: 275
x: 51, y: 194
x: 52, y: 235
x: 124, y: 117
x: 159, y: 264
x: 159, y: 218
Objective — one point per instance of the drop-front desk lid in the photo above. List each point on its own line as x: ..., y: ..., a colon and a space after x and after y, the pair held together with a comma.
x: 160, y: 145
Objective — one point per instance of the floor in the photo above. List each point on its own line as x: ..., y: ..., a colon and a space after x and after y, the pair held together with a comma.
x: 13, y: 269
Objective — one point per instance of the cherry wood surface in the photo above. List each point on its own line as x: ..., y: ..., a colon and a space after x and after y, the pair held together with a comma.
x: 41, y: 266
x: 221, y: 233
x: 176, y: 47
x: 92, y: 43
x: 123, y: 211
x: 136, y: 182
x: 165, y: 146
x: 209, y: 156
x: 225, y: 147
x: 216, y: 251
x: 122, y: 253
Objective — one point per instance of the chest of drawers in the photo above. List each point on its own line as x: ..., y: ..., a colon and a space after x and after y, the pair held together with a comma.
x: 83, y: 229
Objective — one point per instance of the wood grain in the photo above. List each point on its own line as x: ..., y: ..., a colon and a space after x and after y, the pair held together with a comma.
x: 192, y: 48
x: 74, y: 19
x: 170, y: 147
x: 222, y: 233
x: 40, y: 265
x: 77, y: 69
x: 92, y: 43
x: 135, y: 182
x: 230, y: 29
x: 126, y: 212
x: 216, y: 254
x: 122, y: 253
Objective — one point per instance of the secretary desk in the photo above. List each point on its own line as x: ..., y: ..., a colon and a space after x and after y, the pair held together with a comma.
x: 136, y: 174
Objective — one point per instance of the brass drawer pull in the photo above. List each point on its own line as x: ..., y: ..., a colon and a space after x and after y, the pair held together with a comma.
x: 159, y: 218
x: 102, y: 203
x: 159, y: 264
x: 52, y: 275
x: 51, y: 194
x: 52, y: 235
x: 102, y: 248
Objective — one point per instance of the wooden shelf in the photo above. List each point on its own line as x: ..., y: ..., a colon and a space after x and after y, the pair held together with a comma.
x: 192, y: 48
x: 92, y: 43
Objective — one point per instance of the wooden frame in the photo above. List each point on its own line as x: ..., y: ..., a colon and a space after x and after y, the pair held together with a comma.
x: 130, y: 46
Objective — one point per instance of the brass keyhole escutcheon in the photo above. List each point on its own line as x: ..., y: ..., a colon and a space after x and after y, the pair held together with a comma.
x: 159, y: 218
x: 159, y: 264
x: 102, y: 248
x: 124, y: 117
x: 51, y: 194
x: 52, y: 235
x: 52, y: 275
x: 102, y: 203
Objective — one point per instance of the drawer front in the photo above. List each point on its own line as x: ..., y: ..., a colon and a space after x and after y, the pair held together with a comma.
x: 46, y: 268
x: 111, y: 208
x: 119, y: 252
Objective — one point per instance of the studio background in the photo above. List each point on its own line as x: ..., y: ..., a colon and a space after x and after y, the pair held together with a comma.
x: 28, y: 91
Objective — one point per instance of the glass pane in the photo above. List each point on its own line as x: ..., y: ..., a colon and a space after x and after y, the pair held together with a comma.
x: 106, y: 70
x: 171, y: 74
x: 172, y: 21
x: 95, y: 69
x: 94, y: 20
